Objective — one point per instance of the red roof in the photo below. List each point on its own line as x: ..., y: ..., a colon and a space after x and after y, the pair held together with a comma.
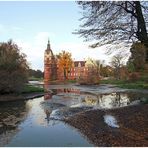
x: 76, y: 63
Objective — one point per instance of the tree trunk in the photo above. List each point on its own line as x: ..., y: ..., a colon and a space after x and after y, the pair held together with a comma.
x: 64, y: 74
x: 141, y: 27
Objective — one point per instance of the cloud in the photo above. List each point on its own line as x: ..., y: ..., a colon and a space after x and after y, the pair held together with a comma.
x: 81, y: 51
x: 35, y: 48
x: 42, y: 37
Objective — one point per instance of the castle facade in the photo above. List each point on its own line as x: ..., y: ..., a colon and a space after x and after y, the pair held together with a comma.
x: 51, y: 69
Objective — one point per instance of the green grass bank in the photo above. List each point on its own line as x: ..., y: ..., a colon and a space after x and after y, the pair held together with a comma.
x: 32, y: 89
x: 127, y: 84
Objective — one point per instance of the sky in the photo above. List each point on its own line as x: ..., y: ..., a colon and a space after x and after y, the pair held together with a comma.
x: 30, y: 24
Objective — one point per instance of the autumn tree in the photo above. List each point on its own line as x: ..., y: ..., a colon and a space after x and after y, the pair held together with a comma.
x: 94, y: 64
x: 106, y: 71
x: 109, y: 22
x: 117, y: 63
x: 64, y: 62
x: 13, y: 68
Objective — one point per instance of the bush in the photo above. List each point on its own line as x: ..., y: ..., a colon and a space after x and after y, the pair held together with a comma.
x: 134, y: 76
x: 13, y: 68
x: 92, y: 78
x: 89, y: 81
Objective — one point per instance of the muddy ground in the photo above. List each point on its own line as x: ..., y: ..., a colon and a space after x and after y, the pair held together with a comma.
x: 132, y: 131
x: 14, y: 97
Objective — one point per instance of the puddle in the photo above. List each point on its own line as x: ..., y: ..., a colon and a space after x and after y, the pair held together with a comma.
x: 65, y: 102
x: 111, y: 121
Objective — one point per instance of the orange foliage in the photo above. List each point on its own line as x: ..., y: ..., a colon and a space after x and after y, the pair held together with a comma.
x: 64, y: 63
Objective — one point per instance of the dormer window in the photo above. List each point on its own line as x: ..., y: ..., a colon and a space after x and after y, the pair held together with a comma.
x: 79, y: 65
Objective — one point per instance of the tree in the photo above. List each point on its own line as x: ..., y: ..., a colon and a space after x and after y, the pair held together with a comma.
x: 92, y: 77
x: 35, y: 73
x: 106, y: 71
x: 13, y: 68
x: 117, y: 63
x: 64, y: 62
x: 110, y: 22
x: 136, y: 61
x: 94, y: 64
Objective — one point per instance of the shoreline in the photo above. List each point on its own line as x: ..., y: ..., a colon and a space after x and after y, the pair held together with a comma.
x: 35, y: 94
x: 21, y: 97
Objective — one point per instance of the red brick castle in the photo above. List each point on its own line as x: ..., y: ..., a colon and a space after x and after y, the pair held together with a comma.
x: 51, y: 70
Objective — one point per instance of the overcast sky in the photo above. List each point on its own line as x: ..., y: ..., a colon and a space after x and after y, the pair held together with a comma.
x: 30, y: 24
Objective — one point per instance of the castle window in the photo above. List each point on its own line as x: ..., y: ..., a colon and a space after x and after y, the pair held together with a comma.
x: 79, y: 65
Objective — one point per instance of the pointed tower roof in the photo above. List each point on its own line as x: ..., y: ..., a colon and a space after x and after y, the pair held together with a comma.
x: 48, y: 45
x: 48, y: 50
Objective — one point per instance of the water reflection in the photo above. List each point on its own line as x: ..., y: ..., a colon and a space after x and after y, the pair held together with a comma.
x: 11, y: 115
x: 47, y: 96
x: 37, y: 129
x: 62, y: 103
x: 38, y: 122
x: 75, y: 98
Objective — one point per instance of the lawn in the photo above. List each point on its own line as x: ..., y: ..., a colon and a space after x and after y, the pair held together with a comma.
x: 127, y: 84
x: 30, y: 89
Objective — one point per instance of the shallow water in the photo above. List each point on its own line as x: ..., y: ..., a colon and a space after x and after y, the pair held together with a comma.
x: 39, y: 122
x: 111, y: 121
x: 61, y: 102
x: 36, y: 130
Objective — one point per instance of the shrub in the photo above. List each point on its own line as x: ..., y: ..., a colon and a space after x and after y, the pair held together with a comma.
x: 134, y: 76
x: 13, y: 68
x: 92, y: 78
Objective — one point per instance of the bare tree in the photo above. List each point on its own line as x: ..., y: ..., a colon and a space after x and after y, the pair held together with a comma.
x: 109, y: 22
x: 94, y: 64
x: 117, y: 63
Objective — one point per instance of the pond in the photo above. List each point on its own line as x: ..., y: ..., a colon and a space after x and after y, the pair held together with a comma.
x: 40, y: 122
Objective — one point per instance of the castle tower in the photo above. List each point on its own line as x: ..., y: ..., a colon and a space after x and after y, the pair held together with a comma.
x: 50, y: 67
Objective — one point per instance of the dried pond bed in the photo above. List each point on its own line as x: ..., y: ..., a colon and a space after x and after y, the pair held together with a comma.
x: 133, y: 130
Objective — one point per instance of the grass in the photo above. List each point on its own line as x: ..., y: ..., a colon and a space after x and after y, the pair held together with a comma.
x: 141, y: 84
x: 31, y: 89
x: 62, y: 81
x: 71, y: 81
x: 111, y: 81
x: 134, y: 85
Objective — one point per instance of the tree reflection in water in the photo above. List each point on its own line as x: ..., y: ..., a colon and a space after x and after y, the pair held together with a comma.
x: 62, y: 103
x: 112, y: 100
x: 11, y: 114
